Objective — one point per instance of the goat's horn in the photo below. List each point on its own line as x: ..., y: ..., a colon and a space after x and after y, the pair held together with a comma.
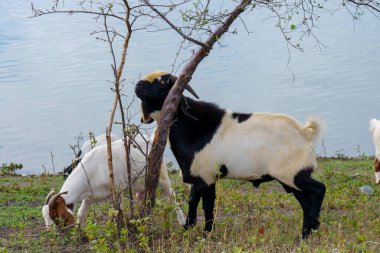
x: 188, y: 87
x: 49, y: 196
x: 54, y: 198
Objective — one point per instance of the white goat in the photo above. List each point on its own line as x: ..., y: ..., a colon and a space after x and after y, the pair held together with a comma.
x: 87, y: 147
x: 374, y: 128
x: 89, y: 183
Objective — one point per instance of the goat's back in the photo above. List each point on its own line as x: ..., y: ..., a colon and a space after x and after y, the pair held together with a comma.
x: 90, y: 179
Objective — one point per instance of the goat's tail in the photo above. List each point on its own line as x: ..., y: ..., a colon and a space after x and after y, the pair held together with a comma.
x: 372, y: 125
x: 313, y: 128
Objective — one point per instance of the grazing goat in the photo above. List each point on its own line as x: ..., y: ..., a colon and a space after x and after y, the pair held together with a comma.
x: 89, y: 183
x: 374, y: 128
x: 209, y: 143
x: 87, y: 147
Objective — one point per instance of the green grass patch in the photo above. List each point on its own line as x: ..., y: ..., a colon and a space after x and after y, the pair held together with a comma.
x: 247, y: 219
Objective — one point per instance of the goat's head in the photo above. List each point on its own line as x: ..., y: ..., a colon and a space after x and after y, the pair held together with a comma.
x: 152, y: 90
x: 55, y: 211
x: 68, y: 169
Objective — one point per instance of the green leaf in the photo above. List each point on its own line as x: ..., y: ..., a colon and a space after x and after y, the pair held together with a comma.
x: 292, y: 26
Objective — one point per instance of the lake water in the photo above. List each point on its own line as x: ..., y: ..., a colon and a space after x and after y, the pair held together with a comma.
x: 53, y: 80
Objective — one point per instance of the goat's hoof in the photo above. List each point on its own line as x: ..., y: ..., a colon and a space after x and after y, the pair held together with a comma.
x: 305, y: 235
x: 315, y: 225
x: 306, y: 232
x: 208, y: 228
x: 188, y: 225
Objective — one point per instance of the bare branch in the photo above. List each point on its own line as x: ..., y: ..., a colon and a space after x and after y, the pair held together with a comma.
x: 370, y: 4
x: 38, y: 13
x: 205, y: 46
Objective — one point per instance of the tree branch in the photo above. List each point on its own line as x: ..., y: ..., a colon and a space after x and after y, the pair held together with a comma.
x: 205, y: 46
x: 38, y: 13
x: 367, y: 4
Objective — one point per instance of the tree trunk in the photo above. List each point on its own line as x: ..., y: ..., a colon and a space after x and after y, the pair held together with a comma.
x: 172, y: 101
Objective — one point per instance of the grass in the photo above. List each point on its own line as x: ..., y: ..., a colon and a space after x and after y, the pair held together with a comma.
x: 247, y: 219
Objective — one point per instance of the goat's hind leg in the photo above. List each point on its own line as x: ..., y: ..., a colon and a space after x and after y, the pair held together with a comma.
x: 312, y: 196
x: 304, y: 200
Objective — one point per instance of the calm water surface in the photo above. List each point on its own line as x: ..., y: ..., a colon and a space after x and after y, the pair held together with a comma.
x: 53, y: 80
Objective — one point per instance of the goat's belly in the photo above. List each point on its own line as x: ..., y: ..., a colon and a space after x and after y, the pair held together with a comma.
x: 240, y: 174
x: 231, y: 166
x: 244, y: 169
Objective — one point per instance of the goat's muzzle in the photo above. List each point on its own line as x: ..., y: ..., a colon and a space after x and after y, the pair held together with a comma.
x: 147, y: 121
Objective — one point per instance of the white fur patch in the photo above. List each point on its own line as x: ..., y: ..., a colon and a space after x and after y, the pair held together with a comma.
x: 374, y: 128
x: 266, y: 143
x: 45, y: 213
x: 377, y: 176
x: 155, y: 115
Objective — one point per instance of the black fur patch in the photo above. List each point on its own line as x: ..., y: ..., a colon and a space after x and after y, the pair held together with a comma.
x: 310, y: 197
x: 188, y: 136
x: 208, y: 203
x: 287, y: 188
x: 241, y: 116
x: 266, y: 178
x: 223, y: 171
x: 303, y: 177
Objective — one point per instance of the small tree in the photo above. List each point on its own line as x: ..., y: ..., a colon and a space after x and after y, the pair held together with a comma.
x: 103, y: 11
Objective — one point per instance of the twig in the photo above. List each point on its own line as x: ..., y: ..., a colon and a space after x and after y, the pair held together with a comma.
x: 175, y: 28
x: 367, y: 4
x: 38, y: 13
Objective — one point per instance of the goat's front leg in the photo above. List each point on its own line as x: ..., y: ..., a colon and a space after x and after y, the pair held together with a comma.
x: 82, y: 212
x: 208, y: 202
x: 167, y: 189
x: 194, y: 198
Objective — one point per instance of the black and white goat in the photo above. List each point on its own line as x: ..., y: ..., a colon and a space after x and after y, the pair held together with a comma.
x: 87, y: 147
x: 209, y: 142
x: 89, y: 182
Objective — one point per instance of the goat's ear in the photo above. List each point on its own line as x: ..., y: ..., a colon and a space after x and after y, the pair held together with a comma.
x: 167, y: 79
x: 50, y: 194
x: 53, y: 199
